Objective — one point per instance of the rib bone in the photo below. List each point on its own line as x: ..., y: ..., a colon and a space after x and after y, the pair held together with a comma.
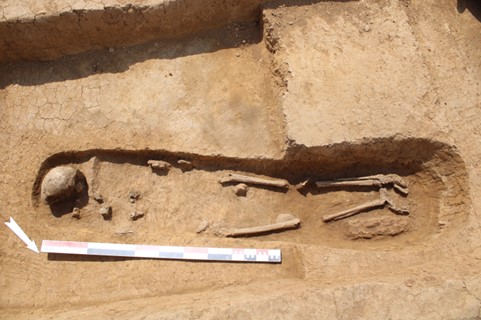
x: 291, y: 224
x: 231, y: 177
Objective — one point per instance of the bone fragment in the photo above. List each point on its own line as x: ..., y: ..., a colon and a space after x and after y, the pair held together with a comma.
x: 204, y: 224
x: 185, y: 165
x: 241, y: 189
x: 291, y: 224
x: 231, y: 177
x: 158, y: 164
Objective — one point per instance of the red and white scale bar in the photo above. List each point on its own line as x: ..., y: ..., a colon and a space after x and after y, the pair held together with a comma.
x: 161, y: 252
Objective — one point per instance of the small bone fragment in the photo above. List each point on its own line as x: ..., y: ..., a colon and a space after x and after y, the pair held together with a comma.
x: 284, y: 217
x: 202, y: 226
x: 353, y: 211
x: 106, y: 212
x: 159, y: 165
x: 241, y: 189
x: 186, y: 165
x: 136, y: 215
x: 379, y: 180
x: 303, y: 184
x: 98, y: 197
x: 134, y: 196
x: 291, y: 224
x: 231, y: 177
x: 76, y: 213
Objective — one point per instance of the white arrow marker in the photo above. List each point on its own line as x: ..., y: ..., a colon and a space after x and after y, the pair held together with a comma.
x: 19, y: 232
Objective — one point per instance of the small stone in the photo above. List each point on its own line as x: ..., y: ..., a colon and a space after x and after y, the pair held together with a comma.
x: 111, y: 49
x: 98, y: 197
x: 136, y: 215
x: 409, y: 283
x: 106, y: 212
x: 366, y: 28
x: 76, y: 213
x: 202, y: 226
x: 241, y: 189
x: 134, y: 196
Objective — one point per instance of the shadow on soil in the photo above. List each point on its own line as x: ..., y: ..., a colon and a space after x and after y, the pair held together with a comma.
x: 119, y: 60
x: 473, y: 6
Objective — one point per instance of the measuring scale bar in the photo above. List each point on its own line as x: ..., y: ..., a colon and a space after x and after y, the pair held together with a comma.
x: 161, y: 252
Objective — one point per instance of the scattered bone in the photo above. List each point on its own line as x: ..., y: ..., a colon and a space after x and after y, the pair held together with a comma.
x: 136, y: 215
x: 62, y: 183
x: 185, y: 165
x: 159, y: 165
x: 202, y: 226
x: 76, y: 213
x: 279, y: 226
x: 134, y: 196
x: 241, y: 189
x: 106, y: 212
x: 384, y: 200
x: 376, y: 227
x: 231, y: 177
x: 380, y: 181
x: 98, y: 197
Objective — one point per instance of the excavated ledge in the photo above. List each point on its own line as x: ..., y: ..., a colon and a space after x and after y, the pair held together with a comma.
x: 49, y: 33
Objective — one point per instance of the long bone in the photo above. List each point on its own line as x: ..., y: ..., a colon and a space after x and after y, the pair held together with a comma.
x: 232, y: 177
x: 379, y: 180
x: 279, y: 226
x: 383, y: 200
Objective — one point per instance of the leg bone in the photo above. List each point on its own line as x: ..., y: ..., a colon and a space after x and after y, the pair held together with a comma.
x: 285, y: 225
x: 231, y: 177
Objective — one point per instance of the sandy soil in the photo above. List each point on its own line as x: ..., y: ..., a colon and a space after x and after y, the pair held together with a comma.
x: 288, y: 89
